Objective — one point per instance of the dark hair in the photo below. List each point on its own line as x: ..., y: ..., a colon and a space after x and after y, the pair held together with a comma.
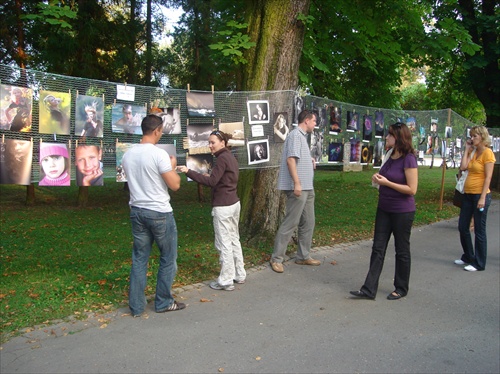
x: 402, y: 135
x: 221, y: 135
x: 150, y: 123
x: 305, y: 114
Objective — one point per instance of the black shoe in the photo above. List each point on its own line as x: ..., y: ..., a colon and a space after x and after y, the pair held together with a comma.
x: 361, y: 295
x: 394, y: 295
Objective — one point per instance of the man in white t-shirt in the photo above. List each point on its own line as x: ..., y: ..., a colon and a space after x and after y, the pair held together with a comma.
x: 150, y: 173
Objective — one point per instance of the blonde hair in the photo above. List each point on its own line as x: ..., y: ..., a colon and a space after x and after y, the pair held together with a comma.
x: 483, y: 133
x: 91, y: 108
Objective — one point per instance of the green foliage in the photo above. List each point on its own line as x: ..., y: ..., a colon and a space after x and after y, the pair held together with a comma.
x: 53, y: 14
x: 466, y: 34
x: 234, y: 42
x: 353, y: 52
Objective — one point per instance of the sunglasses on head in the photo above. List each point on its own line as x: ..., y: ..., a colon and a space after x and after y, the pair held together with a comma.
x: 217, y: 133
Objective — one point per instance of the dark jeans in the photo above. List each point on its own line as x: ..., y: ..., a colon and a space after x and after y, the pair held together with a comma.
x: 469, y: 209
x: 398, y: 224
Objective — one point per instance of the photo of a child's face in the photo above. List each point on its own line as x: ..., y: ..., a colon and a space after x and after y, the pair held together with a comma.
x: 87, y: 159
x: 88, y: 165
x: 53, y: 166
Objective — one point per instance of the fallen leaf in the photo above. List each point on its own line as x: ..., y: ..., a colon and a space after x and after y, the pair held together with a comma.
x: 103, y: 326
x: 221, y: 370
x: 203, y: 300
x: 258, y: 358
x: 333, y: 262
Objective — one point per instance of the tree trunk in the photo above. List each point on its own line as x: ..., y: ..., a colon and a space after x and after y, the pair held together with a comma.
x: 132, y: 74
x: 149, y: 44
x: 21, y: 53
x: 83, y: 196
x: 273, y: 65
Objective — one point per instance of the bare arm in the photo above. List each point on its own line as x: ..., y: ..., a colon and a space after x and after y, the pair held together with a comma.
x: 292, y: 169
x: 488, y: 173
x: 171, y: 178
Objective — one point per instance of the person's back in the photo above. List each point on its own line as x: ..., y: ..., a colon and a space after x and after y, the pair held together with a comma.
x: 143, y: 165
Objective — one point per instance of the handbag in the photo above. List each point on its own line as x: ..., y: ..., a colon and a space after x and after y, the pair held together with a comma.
x: 461, y: 177
x: 457, y: 199
x: 459, y: 188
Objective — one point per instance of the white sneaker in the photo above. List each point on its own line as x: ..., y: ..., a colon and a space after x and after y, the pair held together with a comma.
x: 460, y: 262
x: 470, y: 268
x: 217, y: 286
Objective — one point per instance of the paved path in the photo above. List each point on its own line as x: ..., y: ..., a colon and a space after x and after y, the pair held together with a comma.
x: 301, y: 321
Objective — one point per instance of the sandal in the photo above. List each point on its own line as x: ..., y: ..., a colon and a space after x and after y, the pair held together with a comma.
x: 394, y: 295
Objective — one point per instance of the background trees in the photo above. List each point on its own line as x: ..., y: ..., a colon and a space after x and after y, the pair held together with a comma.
x: 354, y: 50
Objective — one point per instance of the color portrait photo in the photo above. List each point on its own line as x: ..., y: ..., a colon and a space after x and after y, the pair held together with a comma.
x: 15, y: 108
x: 15, y: 161
x: 55, y: 165
x: 126, y: 118
x: 89, y: 166
x: 55, y: 109
x: 89, y: 114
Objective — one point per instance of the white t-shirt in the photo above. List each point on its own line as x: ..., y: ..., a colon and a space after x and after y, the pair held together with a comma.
x: 144, y: 164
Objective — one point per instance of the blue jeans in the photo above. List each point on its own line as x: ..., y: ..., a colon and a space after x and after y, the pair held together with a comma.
x: 387, y: 224
x: 467, y: 211
x: 149, y: 226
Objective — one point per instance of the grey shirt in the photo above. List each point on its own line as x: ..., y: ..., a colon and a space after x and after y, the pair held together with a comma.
x: 296, y: 146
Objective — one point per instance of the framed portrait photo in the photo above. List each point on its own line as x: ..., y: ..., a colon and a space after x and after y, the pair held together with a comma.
x: 258, y: 151
x: 258, y: 111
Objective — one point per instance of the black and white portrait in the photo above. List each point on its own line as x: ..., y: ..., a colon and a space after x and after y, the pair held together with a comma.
x: 280, y: 127
x: 258, y: 111
x: 258, y: 151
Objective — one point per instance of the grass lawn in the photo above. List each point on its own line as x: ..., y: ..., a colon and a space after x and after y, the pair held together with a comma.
x: 60, y: 260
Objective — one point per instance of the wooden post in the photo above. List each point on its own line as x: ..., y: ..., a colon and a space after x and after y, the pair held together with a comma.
x: 30, y: 194
x: 443, y: 165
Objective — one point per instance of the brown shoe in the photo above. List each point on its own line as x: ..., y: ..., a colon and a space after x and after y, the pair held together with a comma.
x: 309, y: 261
x: 277, y: 267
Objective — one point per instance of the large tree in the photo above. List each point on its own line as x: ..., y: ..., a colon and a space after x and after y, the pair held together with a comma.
x: 467, y: 33
x: 277, y: 29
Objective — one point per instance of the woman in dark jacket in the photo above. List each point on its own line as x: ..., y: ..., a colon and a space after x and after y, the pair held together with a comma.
x: 223, y: 180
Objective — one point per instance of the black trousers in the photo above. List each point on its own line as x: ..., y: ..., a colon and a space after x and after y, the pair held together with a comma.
x: 399, y: 225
